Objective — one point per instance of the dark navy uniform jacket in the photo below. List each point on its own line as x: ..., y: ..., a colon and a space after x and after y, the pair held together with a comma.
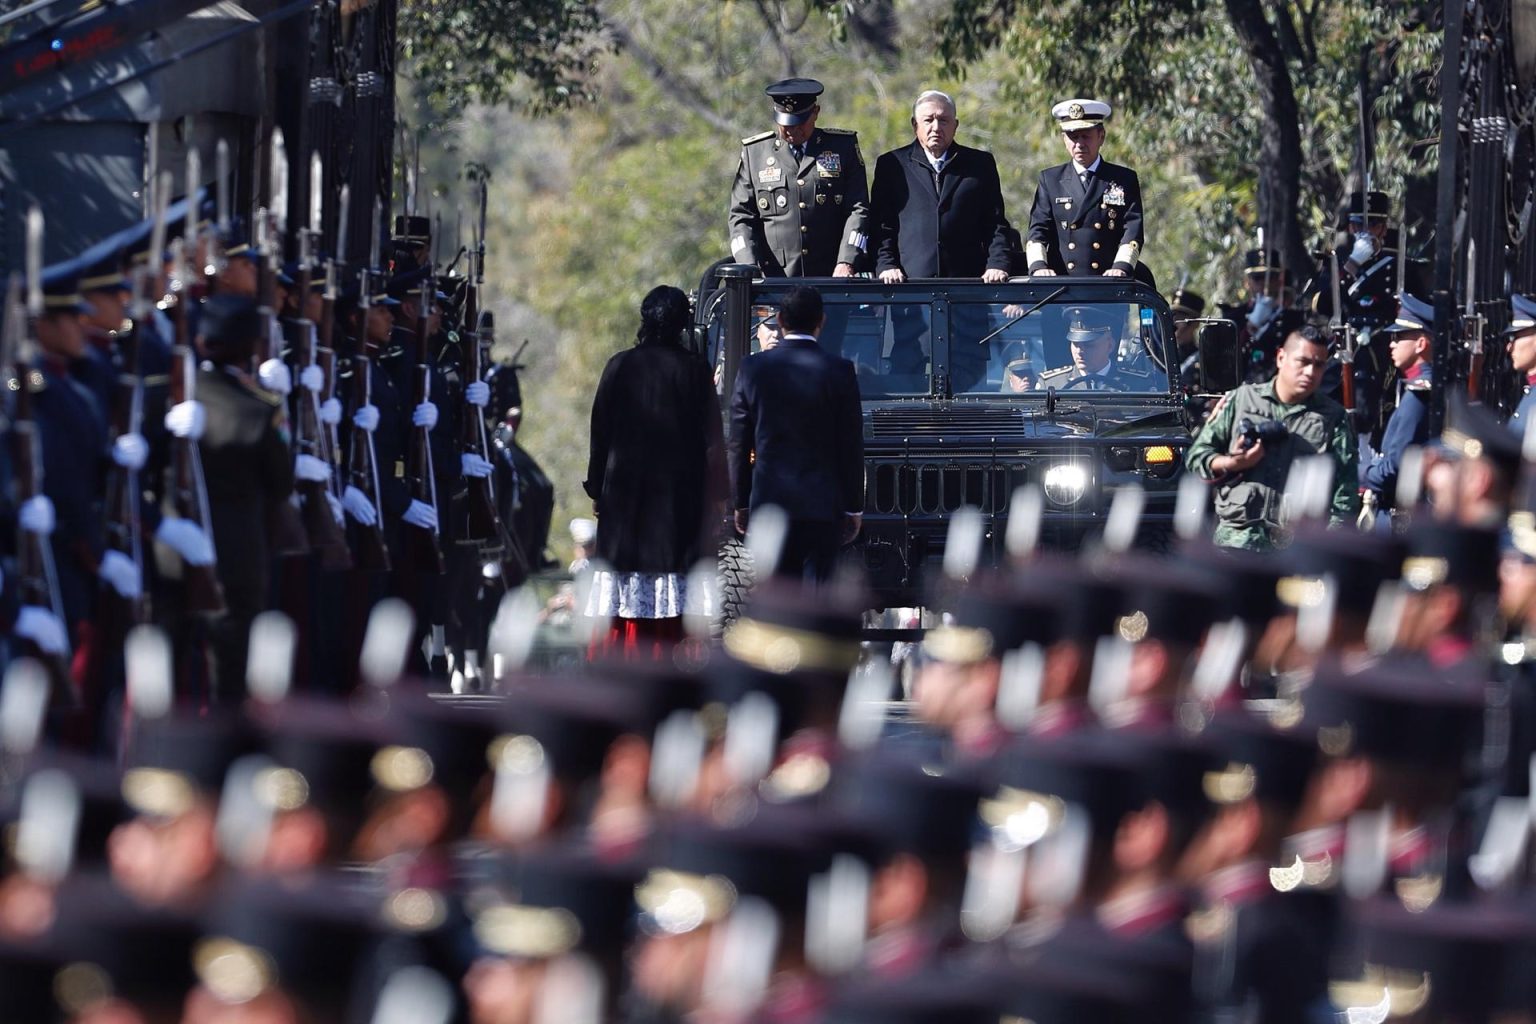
x: 1520, y: 419
x: 800, y: 218
x: 1085, y: 233
x: 946, y: 225
x: 797, y: 433
x: 72, y: 433
x: 1409, y: 425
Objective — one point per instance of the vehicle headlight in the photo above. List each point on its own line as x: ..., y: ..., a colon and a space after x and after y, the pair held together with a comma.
x: 1065, y: 484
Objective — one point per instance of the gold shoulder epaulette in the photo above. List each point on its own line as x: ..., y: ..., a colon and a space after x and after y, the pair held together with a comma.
x: 839, y: 131
x: 759, y: 137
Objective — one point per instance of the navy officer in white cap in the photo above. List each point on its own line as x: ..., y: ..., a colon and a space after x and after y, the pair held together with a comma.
x: 800, y: 203
x: 1520, y: 341
x: 1086, y: 220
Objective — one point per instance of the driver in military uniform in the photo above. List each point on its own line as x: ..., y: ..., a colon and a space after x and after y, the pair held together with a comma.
x: 800, y: 205
x: 1092, y: 339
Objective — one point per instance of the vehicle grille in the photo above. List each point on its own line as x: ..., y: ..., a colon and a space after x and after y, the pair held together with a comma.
x: 932, y: 488
x: 957, y: 419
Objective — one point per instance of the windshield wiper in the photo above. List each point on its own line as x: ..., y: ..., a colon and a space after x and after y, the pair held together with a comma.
x: 1022, y: 315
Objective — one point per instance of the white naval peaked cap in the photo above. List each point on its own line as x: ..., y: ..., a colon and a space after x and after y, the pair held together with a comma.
x: 1080, y: 113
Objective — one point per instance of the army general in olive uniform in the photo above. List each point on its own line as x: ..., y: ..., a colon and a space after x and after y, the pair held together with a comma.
x: 1086, y: 219
x: 801, y: 199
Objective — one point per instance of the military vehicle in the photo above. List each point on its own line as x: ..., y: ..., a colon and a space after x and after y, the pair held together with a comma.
x: 970, y: 391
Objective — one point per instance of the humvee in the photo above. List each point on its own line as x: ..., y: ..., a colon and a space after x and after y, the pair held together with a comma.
x: 966, y: 399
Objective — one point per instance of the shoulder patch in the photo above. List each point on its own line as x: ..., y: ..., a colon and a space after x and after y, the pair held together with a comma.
x: 1053, y: 374
x: 759, y: 137
x: 1422, y: 384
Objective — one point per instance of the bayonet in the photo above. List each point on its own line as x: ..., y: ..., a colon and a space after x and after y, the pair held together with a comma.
x: 278, y: 186
x: 34, y: 262
x: 480, y: 237
x: 160, y: 199
x: 316, y: 193
x: 343, y: 215
x: 194, y: 179
x: 373, y: 235
x: 222, y: 186
x: 1402, y: 248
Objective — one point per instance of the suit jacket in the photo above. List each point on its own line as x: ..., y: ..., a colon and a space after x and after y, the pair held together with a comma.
x: 800, y: 220
x: 1085, y: 233
x: 797, y: 433
x: 953, y: 228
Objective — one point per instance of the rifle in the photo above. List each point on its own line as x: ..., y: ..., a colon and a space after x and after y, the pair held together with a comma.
x: 189, y: 495
x: 481, y: 521
x: 362, y: 461
x: 1473, y: 323
x: 37, y: 579
x: 421, y: 549
x: 124, y: 527
x: 1344, y: 335
x: 325, y: 534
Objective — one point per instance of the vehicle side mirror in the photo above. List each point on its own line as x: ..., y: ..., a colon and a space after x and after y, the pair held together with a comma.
x: 1220, y: 371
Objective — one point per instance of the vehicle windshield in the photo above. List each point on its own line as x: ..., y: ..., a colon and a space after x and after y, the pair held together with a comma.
x: 1004, y: 348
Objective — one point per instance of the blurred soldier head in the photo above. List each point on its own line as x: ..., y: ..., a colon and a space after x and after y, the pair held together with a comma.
x: 767, y: 331
x: 934, y: 122
x: 61, y: 328
x: 372, y: 326
x: 1520, y: 335
x: 795, y: 108
x: 1263, y: 274
x: 1370, y: 214
x: 1082, y: 128
x: 1186, y: 306
x: 105, y: 287
x: 241, y: 270
x: 229, y: 330
x: 1472, y: 470
x: 1300, y: 363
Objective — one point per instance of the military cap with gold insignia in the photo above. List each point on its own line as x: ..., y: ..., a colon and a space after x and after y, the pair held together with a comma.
x: 1440, y: 553
x: 899, y: 804
x: 324, y: 755
x: 1085, y: 324
x: 1397, y: 709
x: 1039, y: 779
x: 1257, y: 760
x: 988, y: 618
x: 1162, y: 600
x: 176, y: 761
x: 552, y: 900
x: 1246, y: 580
x: 1413, y: 314
x: 411, y: 230
x: 793, y: 99
x: 572, y: 720
x: 1472, y: 432
x: 1262, y: 261
x: 1076, y: 114
x: 1086, y: 602
x: 61, y: 290
x: 1375, y: 205
x: 1186, y: 303
x: 1355, y: 565
x: 434, y: 743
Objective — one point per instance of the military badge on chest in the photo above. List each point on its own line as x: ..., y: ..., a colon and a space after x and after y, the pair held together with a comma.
x: 830, y: 165
x: 770, y: 175
x: 1114, y: 195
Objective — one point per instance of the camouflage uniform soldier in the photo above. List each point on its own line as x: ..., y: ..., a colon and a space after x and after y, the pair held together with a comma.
x: 801, y: 199
x: 1247, y: 446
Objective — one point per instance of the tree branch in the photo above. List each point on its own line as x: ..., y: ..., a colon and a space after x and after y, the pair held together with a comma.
x: 771, y: 22
x: 685, y: 92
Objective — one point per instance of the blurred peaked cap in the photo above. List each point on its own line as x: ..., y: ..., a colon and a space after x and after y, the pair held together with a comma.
x: 1188, y: 302
x: 293, y: 268
x: 1090, y: 770
x: 793, y: 99
x: 929, y: 996
x: 989, y: 618
x: 556, y: 898
x: 324, y: 750
x: 1413, y: 314
x: 1357, y: 563
x: 1245, y: 580
x: 1377, y: 205
x: 1072, y: 115
x: 1084, y: 323
x: 1397, y: 709
x: 432, y: 742
x: 1163, y: 600
x: 583, y: 531
x: 61, y: 292
x: 1171, y: 768
x: 1523, y: 313
x: 1447, y: 553
x: 229, y: 320
x: 1472, y: 432
x: 173, y: 760
x: 1261, y: 761
x: 1475, y: 954
x: 1086, y: 604
x: 105, y: 273
x: 408, y: 282
x: 904, y: 805
x: 114, y: 943
x: 772, y: 856
x: 1261, y: 261
x: 567, y: 723
x: 787, y: 627
x: 305, y: 936
x: 412, y: 229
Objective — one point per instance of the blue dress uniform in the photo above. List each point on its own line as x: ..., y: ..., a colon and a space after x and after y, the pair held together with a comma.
x: 799, y: 216
x: 1409, y: 424
x: 1521, y: 324
x: 1367, y: 272
x: 1085, y: 230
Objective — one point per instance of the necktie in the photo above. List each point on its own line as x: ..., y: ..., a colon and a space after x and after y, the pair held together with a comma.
x: 798, y: 152
x: 1082, y: 176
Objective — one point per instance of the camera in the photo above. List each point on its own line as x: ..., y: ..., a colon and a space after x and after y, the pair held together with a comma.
x: 1268, y: 431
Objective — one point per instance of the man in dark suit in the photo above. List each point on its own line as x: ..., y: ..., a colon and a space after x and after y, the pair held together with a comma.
x: 1086, y: 220
x: 938, y: 206
x: 797, y: 440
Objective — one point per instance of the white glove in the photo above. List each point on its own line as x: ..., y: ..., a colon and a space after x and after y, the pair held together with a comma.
x: 122, y: 574
x: 336, y: 509
x: 1364, y: 249
x: 187, y: 539
x: 130, y: 451
x: 275, y: 376
x: 1264, y: 308
x: 36, y: 515
x: 366, y: 418
x: 187, y: 420
x: 358, y: 506
x: 43, y: 628
x: 424, y: 415
x: 419, y: 513
x: 330, y: 411
x: 478, y: 393
x: 475, y: 466
x: 307, y: 467
x: 312, y: 377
